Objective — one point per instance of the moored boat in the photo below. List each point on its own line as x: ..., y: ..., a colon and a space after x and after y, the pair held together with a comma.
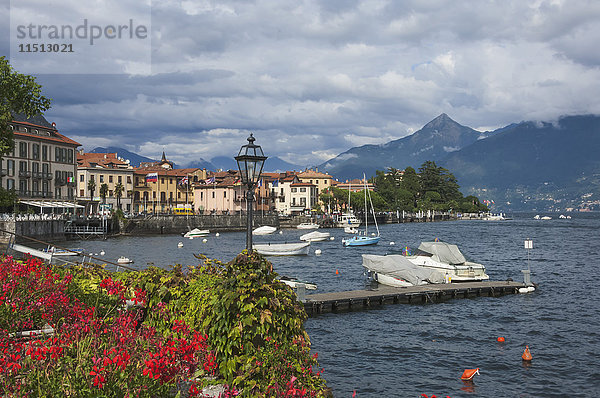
x: 397, y: 271
x: 448, y: 259
x: 196, y: 233
x: 315, y: 236
x: 63, y: 252
x: 124, y: 260
x: 307, y: 225
x: 282, y: 249
x: 293, y: 283
x: 264, y: 230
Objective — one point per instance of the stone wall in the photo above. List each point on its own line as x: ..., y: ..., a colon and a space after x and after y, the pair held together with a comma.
x: 41, y: 229
x: 181, y: 224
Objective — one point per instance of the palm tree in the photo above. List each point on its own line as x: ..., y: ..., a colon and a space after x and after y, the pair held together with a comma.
x: 103, y: 192
x: 91, y: 186
x: 119, y: 188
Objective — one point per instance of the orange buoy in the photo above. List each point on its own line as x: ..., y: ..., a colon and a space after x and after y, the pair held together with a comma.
x: 526, y: 354
x: 337, y: 272
x: 500, y: 339
x: 468, y: 374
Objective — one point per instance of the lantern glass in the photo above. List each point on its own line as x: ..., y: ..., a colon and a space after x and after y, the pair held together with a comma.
x: 250, y: 162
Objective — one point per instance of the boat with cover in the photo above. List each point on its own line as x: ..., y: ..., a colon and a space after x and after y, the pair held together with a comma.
x: 282, y: 249
x: 264, y: 230
x: 307, y: 225
x: 395, y: 270
x: 196, y: 233
x: 124, y: 260
x: 448, y: 259
x: 315, y: 236
x: 364, y: 239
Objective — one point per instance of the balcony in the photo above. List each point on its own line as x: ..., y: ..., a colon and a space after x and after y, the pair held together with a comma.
x: 47, y: 176
x: 25, y: 174
x: 60, y: 182
x: 37, y: 175
x: 4, y: 172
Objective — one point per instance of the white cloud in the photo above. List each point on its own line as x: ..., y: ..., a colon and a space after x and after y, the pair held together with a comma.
x: 313, y: 78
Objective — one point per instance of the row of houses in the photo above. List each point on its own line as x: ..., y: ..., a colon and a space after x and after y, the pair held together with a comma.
x: 46, y: 170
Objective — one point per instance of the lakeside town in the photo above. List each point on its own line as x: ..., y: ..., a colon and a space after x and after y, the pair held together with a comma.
x: 48, y: 173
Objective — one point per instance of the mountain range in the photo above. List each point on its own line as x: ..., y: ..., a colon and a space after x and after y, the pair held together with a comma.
x: 272, y: 164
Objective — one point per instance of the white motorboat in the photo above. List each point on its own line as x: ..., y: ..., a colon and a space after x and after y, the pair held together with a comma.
x: 397, y: 271
x: 124, y: 260
x: 495, y: 217
x: 293, y: 283
x: 448, y: 260
x: 196, y: 233
x: 307, y: 225
x: 546, y: 218
x: 350, y: 230
x: 264, y: 230
x: 282, y: 249
x: 63, y: 252
x: 315, y: 236
x: 348, y: 220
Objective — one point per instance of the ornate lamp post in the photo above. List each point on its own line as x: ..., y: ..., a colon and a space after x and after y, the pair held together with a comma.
x: 250, y: 162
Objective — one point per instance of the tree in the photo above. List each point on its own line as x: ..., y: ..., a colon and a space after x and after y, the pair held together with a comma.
x: 103, y: 192
x: 18, y: 94
x: 119, y: 188
x: 411, y: 183
x: 91, y: 186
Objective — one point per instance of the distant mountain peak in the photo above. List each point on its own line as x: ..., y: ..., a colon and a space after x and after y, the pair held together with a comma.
x: 440, y: 121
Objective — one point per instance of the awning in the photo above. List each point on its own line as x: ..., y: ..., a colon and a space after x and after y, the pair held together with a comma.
x: 48, y: 203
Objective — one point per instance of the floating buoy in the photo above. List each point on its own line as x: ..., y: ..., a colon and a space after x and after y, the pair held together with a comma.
x: 392, y: 243
x: 204, y: 240
x: 337, y: 272
x: 468, y: 374
x: 102, y: 253
x: 217, y: 234
x: 500, y: 339
x: 318, y: 252
x: 331, y: 238
x: 280, y: 232
x: 180, y: 245
x: 526, y: 354
x: 191, y: 238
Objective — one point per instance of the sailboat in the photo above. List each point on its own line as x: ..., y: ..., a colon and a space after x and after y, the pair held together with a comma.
x: 348, y: 220
x: 365, y: 239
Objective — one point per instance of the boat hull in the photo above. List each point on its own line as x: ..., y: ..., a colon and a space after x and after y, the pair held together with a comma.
x: 283, y: 249
x: 362, y: 241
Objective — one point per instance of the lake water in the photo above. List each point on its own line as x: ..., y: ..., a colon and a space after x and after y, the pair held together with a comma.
x: 406, y: 350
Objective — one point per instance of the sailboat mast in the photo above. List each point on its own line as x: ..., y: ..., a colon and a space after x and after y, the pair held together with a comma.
x: 366, y: 212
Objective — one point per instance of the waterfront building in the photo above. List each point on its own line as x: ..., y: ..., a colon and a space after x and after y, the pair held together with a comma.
x: 220, y: 193
x: 104, y: 168
x: 303, y: 197
x: 158, y: 188
x: 281, y: 190
x: 355, y: 185
x: 41, y: 168
x: 321, y: 181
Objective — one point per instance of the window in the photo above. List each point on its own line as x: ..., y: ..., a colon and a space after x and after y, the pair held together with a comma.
x: 35, y: 167
x: 302, y: 189
x: 10, y: 165
x: 119, y: 179
x: 170, y: 181
x: 45, y: 189
x: 35, y: 151
x: 81, y: 192
x: 23, y: 187
x: 201, y: 195
x: 224, y: 194
x: 22, y: 166
x: 45, y: 168
x: 101, y: 178
x: 129, y: 180
x: 294, y: 189
x: 162, y: 180
x: 57, y: 192
x: 44, y: 152
x: 110, y: 178
x: 70, y: 156
x: 81, y: 178
x: 10, y: 184
x: 23, y: 149
x: 110, y: 193
x: 213, y: 194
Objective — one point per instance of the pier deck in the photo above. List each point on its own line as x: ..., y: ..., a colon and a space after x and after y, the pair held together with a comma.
x: 363, y: 299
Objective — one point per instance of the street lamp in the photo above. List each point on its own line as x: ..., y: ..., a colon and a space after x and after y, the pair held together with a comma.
x: 250, y: 162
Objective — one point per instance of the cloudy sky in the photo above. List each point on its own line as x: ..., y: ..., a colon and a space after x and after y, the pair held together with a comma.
x: 312, y: 79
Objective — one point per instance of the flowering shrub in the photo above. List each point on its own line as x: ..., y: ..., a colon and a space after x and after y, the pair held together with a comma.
x: 114, y: 355
x: 233, y: 322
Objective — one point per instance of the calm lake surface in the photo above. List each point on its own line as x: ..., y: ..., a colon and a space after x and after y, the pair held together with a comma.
x: 404, y: 350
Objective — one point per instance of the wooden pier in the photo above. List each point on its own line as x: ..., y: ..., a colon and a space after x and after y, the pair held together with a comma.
x: 364, y: 299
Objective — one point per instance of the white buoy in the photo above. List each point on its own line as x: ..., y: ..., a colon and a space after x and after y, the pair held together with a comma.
x: 280, y: 232
x: 392, y: 243
x: 102, y: 253
x: 180, y: 245
x: 318, y: 252
x: 191, y: 238
x: 204, y: 240
x: 331, y: 238
x: 217, y: 234
x: 373, y: 234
